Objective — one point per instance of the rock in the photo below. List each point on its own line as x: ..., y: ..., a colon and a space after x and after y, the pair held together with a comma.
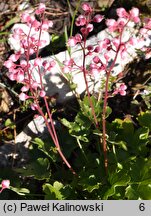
x: 18, y: 153
x: 15, y: 43
x: 105, y: 3
x: 55, y: 82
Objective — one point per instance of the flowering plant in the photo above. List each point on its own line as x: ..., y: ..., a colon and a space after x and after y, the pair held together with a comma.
x: 96, y: 138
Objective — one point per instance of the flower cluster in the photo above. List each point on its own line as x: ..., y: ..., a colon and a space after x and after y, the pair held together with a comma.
x: 120, y: 43
x: 146, y: 33
x: 84, y: 21
x: 103, y: 55
x: 124, y: 19
x: 19, y: 68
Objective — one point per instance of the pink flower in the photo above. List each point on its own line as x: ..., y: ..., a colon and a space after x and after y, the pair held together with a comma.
x: 121, y: 12
x: 87, y: 8
x: 9, y: 64
x: 121, y: 87
x: 20, y: 75
x: 78, y: 38
x: 107, y: 56
x: 36, y: 24
x: 98, y: 18
x: 45, y: 64
x: 69, y: 62
x: 90, y: 48
x: 23, y: 63
x: 96, y: 59
x: 66, y: 69
x: 18, y: 32
x: 133, y: 41
x: 34, y: 106
x: 5, y: 184
x: 35, y: 85
x: 89, y: 27
x: 98, y: 49
x: 85, y: 31
x: 71, y: 42
x: 42, y: 93
x: 104, y: 44
x: 147, y: 22
x: 134, y: 15
x: 81, y: 20
x: 12, y: 76
x: 23, y: 96
x: 46, y: 24
x: 38, y: 62
x: 52, y: 63
x: 25, y: 17
x: 112, y: 25
x: 121, y: 22
x: 41, y: 9
x: 15, y: 57
x: 25, y: 88
x: 134, y: 12
x: 95, y: 72
x: 148, y: 53
x: 116, y: 42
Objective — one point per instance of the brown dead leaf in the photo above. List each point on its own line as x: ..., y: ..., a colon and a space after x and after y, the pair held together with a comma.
x: 5, y: 100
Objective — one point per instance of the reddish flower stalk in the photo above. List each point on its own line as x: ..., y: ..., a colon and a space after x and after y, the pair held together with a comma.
x: 86, y: 27
x: 30, y: 43
x: 106, y: 98
x: 87, y: 87
x: 109, y: 49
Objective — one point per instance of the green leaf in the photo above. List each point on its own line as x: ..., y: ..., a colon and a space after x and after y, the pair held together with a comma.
x: 108, y: 111
x: 20, y: 191
x: 131, y: 192
x: 53, y: 191
x: 121, y: 144
x: 87, y: 110
x: 141, y: 171
x: 9, y: 123
x: 79, y: 128
x: 89, y: 183
x: 39, y: 142
x: 140, y: 191
x: 128, y: 129
x: 67, y: 142
x: 144, y: 191
x: 120, y: 178
x: 144, y: 133
x: 45, y: 147
x: 66, y: 123
x: 73, y: 86
x: 144, y: 119
x: 11, y: 22
x: 54, y: 38
x: 68, y: 192
x: 39, y: 169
